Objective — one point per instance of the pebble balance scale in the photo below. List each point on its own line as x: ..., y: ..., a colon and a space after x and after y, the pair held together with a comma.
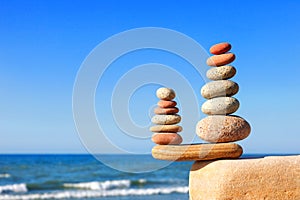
x: 220, y: 128
x: 217, y: 173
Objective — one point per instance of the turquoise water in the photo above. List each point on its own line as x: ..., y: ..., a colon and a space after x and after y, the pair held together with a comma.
x: 83, y: 177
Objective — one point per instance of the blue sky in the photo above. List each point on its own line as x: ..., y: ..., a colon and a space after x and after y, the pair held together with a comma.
x: 43, y: 44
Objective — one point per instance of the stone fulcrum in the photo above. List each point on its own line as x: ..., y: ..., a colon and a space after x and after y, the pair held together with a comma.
x: 197, y: 151
x: 269, y: 178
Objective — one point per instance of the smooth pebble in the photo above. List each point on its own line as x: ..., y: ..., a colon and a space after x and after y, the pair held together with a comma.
x: 218, y: 128
x: 220, y: 48
x: 166, y: 119
x: 165, y: 93
x: 219, y: 88
x: 220, y: 106
x: 221, y: 73
x: 166, y: 138
x: 220, y: 60
x: 166, y: 128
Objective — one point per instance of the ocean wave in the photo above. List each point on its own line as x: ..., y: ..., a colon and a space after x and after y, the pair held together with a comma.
x: 16, y: 188
x: 4, y: 175
x: 97, y: 193
x: 106, y: 185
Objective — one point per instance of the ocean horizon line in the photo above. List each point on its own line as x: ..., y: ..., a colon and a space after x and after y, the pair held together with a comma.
x: 115, y: 154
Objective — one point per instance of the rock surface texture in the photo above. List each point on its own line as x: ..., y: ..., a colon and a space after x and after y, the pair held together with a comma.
x: 269, y: 178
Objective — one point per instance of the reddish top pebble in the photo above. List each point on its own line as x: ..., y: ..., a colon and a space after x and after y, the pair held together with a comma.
x: 220, y: 60
x: 166, y: 104
x: 165, y: 111
x: 220, y: 48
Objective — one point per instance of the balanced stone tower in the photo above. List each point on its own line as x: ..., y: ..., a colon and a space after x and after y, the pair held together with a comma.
x: 166, y: 118
x: 220, y: 129
x: 215, y: 174
x: 220, y: 126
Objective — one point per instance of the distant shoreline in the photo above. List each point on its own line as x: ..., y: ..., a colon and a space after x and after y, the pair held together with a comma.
x: 86, y: 154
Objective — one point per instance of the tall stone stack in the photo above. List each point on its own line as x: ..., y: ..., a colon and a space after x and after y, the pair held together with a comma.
x: 221, y: 126
x: 166, y: 131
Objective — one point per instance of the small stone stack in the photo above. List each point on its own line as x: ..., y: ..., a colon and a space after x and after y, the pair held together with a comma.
x: 166, y: 118
x: 220, y: 126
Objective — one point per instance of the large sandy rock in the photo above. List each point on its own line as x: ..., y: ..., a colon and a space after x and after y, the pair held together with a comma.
x: 269, y: 178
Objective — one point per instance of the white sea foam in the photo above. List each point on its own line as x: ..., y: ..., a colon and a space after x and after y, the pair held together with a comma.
x: 142, y: 181
x: 100, y: 185
x: 4, y: 175
x: 96, y: 193
x: 13, y: 188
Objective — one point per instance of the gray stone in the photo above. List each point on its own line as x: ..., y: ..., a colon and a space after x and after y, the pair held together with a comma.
x: 219, y: 88
x: 166, y: 119
x: 166, y: 128
x: 221, y: 128
x: 220, y: 106
x: 165, y: 94
x: 221, y: 73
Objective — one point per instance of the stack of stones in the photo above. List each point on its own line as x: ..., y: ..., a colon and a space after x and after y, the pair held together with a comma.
x: 166, y: 118
x: 220, y: 126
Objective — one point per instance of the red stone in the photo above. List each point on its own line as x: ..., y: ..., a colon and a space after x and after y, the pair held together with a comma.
x: 220, y: 60
x: 165, y: 111
x: 166, y: 104
x: 166, y: 138
x: 220, y: 48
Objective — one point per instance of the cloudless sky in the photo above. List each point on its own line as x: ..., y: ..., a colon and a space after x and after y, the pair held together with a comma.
x: 43, y: 44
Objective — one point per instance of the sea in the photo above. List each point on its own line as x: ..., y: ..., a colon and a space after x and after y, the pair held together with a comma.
x: 73, y: 177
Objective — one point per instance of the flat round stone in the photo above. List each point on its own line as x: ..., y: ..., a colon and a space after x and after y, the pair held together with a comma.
x: 219, y: 60
x: 166, y: 119
x: 220, y: 106
x: 218, y: 128
x: 191, y: 152
x: 219, y: 88
x: 166, y: 104
x: 166, y: 111
x: 166, y: 138
x: 165, y: 93
x: 166, y: 128
x: 221, y: 73
x: 220, y: 48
